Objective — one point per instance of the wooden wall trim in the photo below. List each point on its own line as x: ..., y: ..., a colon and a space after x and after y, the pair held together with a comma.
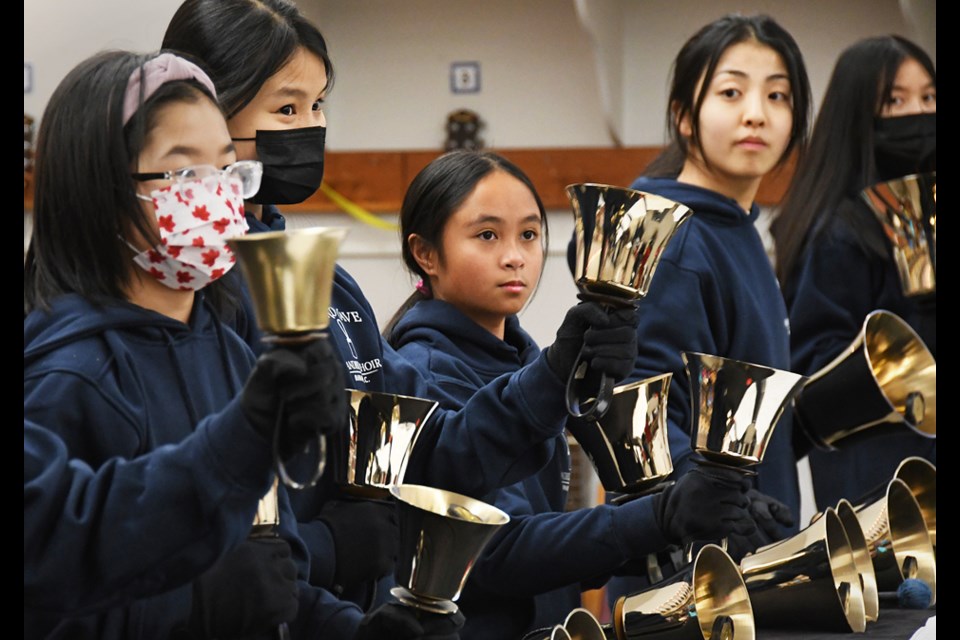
x: 377, y: 180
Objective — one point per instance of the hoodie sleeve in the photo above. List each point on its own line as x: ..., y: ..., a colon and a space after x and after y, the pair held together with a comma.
x: 539, y: 552
x: 834, y: 291
x: 530, y: 402
x: 75, y: 554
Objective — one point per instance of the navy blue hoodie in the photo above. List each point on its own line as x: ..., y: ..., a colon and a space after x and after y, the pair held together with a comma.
x: 453, y: 441
x: 532, y: 572
x: 121, y: 380
x: 220, y: 471
x: 714, y: 292
x: 838, y: 282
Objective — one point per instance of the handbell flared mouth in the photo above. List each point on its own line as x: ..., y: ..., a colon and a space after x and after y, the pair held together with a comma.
x: 620, y: 236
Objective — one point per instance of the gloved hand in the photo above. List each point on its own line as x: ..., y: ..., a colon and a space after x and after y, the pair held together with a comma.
x: 308, y: 379
x: 250, y: 591
x: 400, y: 622
x: 706, y: 503
x: 769, y: 514
x: 366, y: 538
x: 740, y: 545
x: 608, y: 339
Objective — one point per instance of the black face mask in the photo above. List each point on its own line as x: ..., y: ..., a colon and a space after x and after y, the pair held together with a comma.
x: 292, y: 164
x: 905, y: 145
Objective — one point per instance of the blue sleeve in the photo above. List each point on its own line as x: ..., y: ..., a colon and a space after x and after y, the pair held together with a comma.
x: 674, y: 318
x: 539, y: 552
x: 833, y: 293
x: 470, y: 451
x: 100, y: 538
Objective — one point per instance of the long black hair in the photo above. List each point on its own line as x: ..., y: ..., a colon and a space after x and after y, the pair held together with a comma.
x: 434, y: 195
x: 85, y: 199
x: 695, y: 66
x: 840, y: 163
x: 242, y: 43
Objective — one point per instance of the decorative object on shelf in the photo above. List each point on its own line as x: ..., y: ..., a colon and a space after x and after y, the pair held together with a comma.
x: 463, y: 130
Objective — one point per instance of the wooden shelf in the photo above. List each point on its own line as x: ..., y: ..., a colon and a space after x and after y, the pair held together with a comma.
x: 377, y: 180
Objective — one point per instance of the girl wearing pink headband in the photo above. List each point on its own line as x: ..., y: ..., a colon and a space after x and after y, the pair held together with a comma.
x: 125, y: 350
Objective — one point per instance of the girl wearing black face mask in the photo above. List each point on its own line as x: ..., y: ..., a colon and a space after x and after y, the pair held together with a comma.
x: 877, y: 122
x: 272, y: 72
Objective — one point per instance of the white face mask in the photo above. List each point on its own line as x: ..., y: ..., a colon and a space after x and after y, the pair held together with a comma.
x: 195, y: 218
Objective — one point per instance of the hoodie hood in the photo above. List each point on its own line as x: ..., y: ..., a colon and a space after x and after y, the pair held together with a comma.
x: 72, y: 318
x: 442, y: 328
x: 120, y: 343
x: 707, y: 205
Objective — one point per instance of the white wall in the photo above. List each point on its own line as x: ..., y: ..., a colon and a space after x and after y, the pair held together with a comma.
x: 539, y: 74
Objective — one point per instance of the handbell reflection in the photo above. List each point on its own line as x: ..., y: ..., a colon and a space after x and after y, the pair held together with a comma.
x: 374, y: 453
x: 705, y: 601
x: 620, y: 236
x: 808, y: 581
x: 907, y: 210
x: 735, y: 406
x: 885, y: 380
x: 441, y: 536
x: 897, y: 537
x: 629, y: 445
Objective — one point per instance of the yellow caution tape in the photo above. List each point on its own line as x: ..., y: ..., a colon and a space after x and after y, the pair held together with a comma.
x: 355, y: 210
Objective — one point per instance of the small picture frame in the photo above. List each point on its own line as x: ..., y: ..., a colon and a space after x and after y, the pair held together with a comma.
x: 465, y: 77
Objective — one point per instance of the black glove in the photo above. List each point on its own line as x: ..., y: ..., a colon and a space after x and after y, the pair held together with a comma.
x: 366, y: 538
x: 608, y: 339
x: 706, y: 503
x: 308, y: 379
x: 769, y: 514
x: 740, y: 545
x: 400, y: 622
x: 250, y: 591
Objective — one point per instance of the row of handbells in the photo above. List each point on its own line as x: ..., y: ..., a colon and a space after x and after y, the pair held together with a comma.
x: 830, y: 574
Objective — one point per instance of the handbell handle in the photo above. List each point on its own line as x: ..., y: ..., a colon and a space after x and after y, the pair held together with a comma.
x: 287, y: 479
x: 598, y: 404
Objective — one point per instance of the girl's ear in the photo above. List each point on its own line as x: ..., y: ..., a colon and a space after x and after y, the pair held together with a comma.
x: 682, y: 120
x: 424, y: 253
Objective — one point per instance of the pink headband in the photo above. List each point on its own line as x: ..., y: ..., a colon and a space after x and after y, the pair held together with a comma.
x: 155, y: 73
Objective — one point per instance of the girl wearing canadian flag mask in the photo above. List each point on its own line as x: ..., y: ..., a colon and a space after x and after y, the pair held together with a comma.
x: 138, y: 189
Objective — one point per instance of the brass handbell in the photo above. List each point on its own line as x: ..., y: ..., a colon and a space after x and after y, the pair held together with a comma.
x: 735, y: 407
x: 579, y: 624
x: 897, y: 538
x: 886, y: 379
x: 708, y: 600
x: 290, y: 278
x: 920, y: 476
x: 373, y: 454
x: 807, y: 581
x: 861, y: 559
x: 441, y: 536
x: 629, y: 445
x: 907, y: 209
x: 620, y: 236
